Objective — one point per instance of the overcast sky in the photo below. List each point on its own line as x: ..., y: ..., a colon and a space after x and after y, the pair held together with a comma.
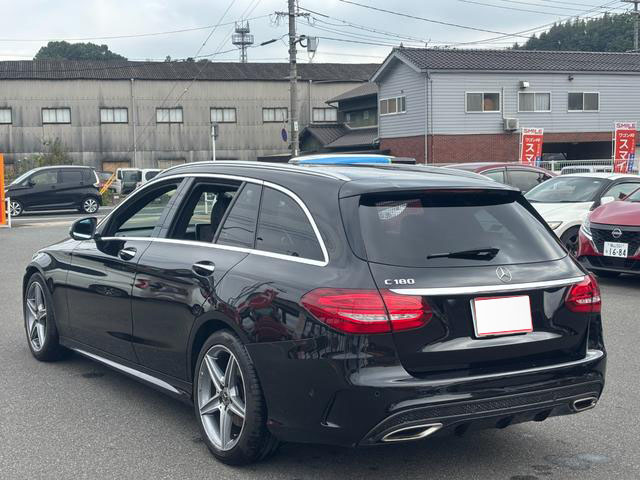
x: 28, y: 24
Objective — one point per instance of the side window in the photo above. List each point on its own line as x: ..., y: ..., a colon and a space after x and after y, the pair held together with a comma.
x: 525, y: 180
x: 203, y: 212
x: 621, y: 190
x: 47, y: 177
x: 71, y: 176
x: 144, y: 215
x: 284, y: 228
x: 239, y: 228
x: 497, y: 175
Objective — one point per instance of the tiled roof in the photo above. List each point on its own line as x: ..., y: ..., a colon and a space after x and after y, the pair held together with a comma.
x: 326, y: 133
x: 363, y: 90
x: 520, y: 60
x: 356, y: 138
x: 125, y: 70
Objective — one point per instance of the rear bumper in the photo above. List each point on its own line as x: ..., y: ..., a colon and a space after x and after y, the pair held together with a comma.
x: 368, y: 405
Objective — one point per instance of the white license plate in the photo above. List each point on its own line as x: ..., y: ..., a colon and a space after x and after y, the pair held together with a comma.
x: 616, y: 249
x: 501, y: 315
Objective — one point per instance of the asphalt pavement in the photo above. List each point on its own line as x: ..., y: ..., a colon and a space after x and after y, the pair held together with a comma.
x: 79, y: 419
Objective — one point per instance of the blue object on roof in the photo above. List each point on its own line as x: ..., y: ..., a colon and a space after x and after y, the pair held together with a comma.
x: 341, y: 159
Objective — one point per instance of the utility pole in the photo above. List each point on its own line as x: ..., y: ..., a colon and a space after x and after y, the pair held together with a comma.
x: 636, y: 22
x: 293, y: 80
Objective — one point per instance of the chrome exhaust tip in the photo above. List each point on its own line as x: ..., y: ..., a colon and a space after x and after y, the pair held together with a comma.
x: 583, y: 404
x: 414, y: 432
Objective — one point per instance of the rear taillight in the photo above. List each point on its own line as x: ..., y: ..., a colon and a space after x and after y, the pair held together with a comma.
x: 367, y: 311
x: 584, y: 297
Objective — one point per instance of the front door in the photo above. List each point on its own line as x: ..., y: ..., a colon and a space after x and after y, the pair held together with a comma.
x: 42, y: 193
x: 178, y: 275
x: 103, y: 270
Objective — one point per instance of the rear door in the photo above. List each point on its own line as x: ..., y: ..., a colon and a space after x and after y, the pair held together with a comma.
x: 209, y: 233
x: 71, y: 183
x: 455, y: 249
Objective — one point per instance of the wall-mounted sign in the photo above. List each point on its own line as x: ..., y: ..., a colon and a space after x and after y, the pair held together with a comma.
x: 624, y: 146
x: 531, y: 146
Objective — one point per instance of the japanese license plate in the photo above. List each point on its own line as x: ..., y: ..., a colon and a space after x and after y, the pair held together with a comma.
x: 501, y: 315
x: 616, y: 249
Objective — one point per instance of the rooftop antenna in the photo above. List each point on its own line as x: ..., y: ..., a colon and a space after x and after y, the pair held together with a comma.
x: 243, y: 39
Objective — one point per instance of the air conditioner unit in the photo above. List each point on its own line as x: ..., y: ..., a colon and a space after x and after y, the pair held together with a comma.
x: 511, y: 124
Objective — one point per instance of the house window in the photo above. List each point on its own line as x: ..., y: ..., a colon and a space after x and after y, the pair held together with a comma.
x: 534, y: 102
x: 5, y: 115
x: 169, y: 115
x: 223, y: 115
x: 277, y: 114
x: 325, y: 115
x: 391, y: 106
x: 56, y: 115
x: 482, y: 102
x: 584, y: 101
x: 114, y: 115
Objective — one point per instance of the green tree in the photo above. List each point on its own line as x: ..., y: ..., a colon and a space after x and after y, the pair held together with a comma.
x: 609, y: 33
x: 76, y: 51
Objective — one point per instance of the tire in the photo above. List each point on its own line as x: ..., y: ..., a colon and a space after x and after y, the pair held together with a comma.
x: 16, y: 208
x: 40, y: 322
x: 606, y: 273
x: 248, y: 439
x: 90, y: 205
x: 570, y: 240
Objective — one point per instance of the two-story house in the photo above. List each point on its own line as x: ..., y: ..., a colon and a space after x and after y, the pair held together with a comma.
x: 442, y: 106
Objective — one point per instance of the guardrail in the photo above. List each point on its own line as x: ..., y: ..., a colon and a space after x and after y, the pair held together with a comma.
x: 581, y: 166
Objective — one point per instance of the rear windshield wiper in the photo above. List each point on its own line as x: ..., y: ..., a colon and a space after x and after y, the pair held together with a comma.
x: 476, y: 254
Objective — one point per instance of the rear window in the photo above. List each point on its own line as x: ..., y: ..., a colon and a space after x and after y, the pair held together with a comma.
x: 440, y: 229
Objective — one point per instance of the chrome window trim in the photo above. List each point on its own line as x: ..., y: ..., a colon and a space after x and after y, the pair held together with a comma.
x: 131, y: 371
x: 472, y: 290
x: 289, y: 193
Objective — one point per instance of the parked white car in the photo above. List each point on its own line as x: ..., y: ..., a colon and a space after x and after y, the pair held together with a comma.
x: 565, y: 201
x: 147, y: 174
x: 126, y: 180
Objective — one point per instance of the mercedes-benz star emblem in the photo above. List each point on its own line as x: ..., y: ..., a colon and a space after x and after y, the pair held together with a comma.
x: 616, y: 233
x: 503, y: 274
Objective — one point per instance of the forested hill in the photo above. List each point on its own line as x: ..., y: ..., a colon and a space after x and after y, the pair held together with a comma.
x: 610, y: 33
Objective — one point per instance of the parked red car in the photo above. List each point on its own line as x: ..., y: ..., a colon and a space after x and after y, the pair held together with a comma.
x: 524, y: 177
x: 609, y: 240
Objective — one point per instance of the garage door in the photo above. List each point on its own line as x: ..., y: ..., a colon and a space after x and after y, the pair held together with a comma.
x: 112, y: 166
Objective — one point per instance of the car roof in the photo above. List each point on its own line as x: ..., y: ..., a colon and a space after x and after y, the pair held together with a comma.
x: 60, y: 166
x: 607, y: 175
x: 358, y: 178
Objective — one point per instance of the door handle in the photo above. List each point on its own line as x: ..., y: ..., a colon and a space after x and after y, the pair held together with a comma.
x: 127, y: 253
x: 204, y: 269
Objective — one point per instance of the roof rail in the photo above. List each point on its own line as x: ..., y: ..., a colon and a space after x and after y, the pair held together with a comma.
x: 264, y: 166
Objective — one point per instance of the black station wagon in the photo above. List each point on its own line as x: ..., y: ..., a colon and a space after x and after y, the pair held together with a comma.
x: 339, y: 304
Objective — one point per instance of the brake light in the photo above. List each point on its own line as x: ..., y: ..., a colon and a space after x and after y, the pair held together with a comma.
x: 367, y: 311
x: 584, y: 297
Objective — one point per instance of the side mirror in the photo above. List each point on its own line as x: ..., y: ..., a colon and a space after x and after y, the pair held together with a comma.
x: 31, y: 183
x: 605, y: 200
x: 84, y: 228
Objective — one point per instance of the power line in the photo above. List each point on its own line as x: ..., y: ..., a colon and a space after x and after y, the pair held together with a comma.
x: 424, y: 19
x: 557, y: 5
x: 505, y: 7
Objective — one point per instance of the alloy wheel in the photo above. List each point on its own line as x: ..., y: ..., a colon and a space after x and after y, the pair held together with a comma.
x: 90, y: 205
x: 36, y: 316
x: 15, y: 209
x: 221, y: 397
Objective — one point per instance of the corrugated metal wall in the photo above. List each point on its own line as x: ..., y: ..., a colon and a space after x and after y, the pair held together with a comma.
x: 91, y: 143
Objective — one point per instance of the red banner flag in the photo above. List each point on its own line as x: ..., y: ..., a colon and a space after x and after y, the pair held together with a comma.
x: 3, y: 213
x: 624, y: 147
x: 531, y: 146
